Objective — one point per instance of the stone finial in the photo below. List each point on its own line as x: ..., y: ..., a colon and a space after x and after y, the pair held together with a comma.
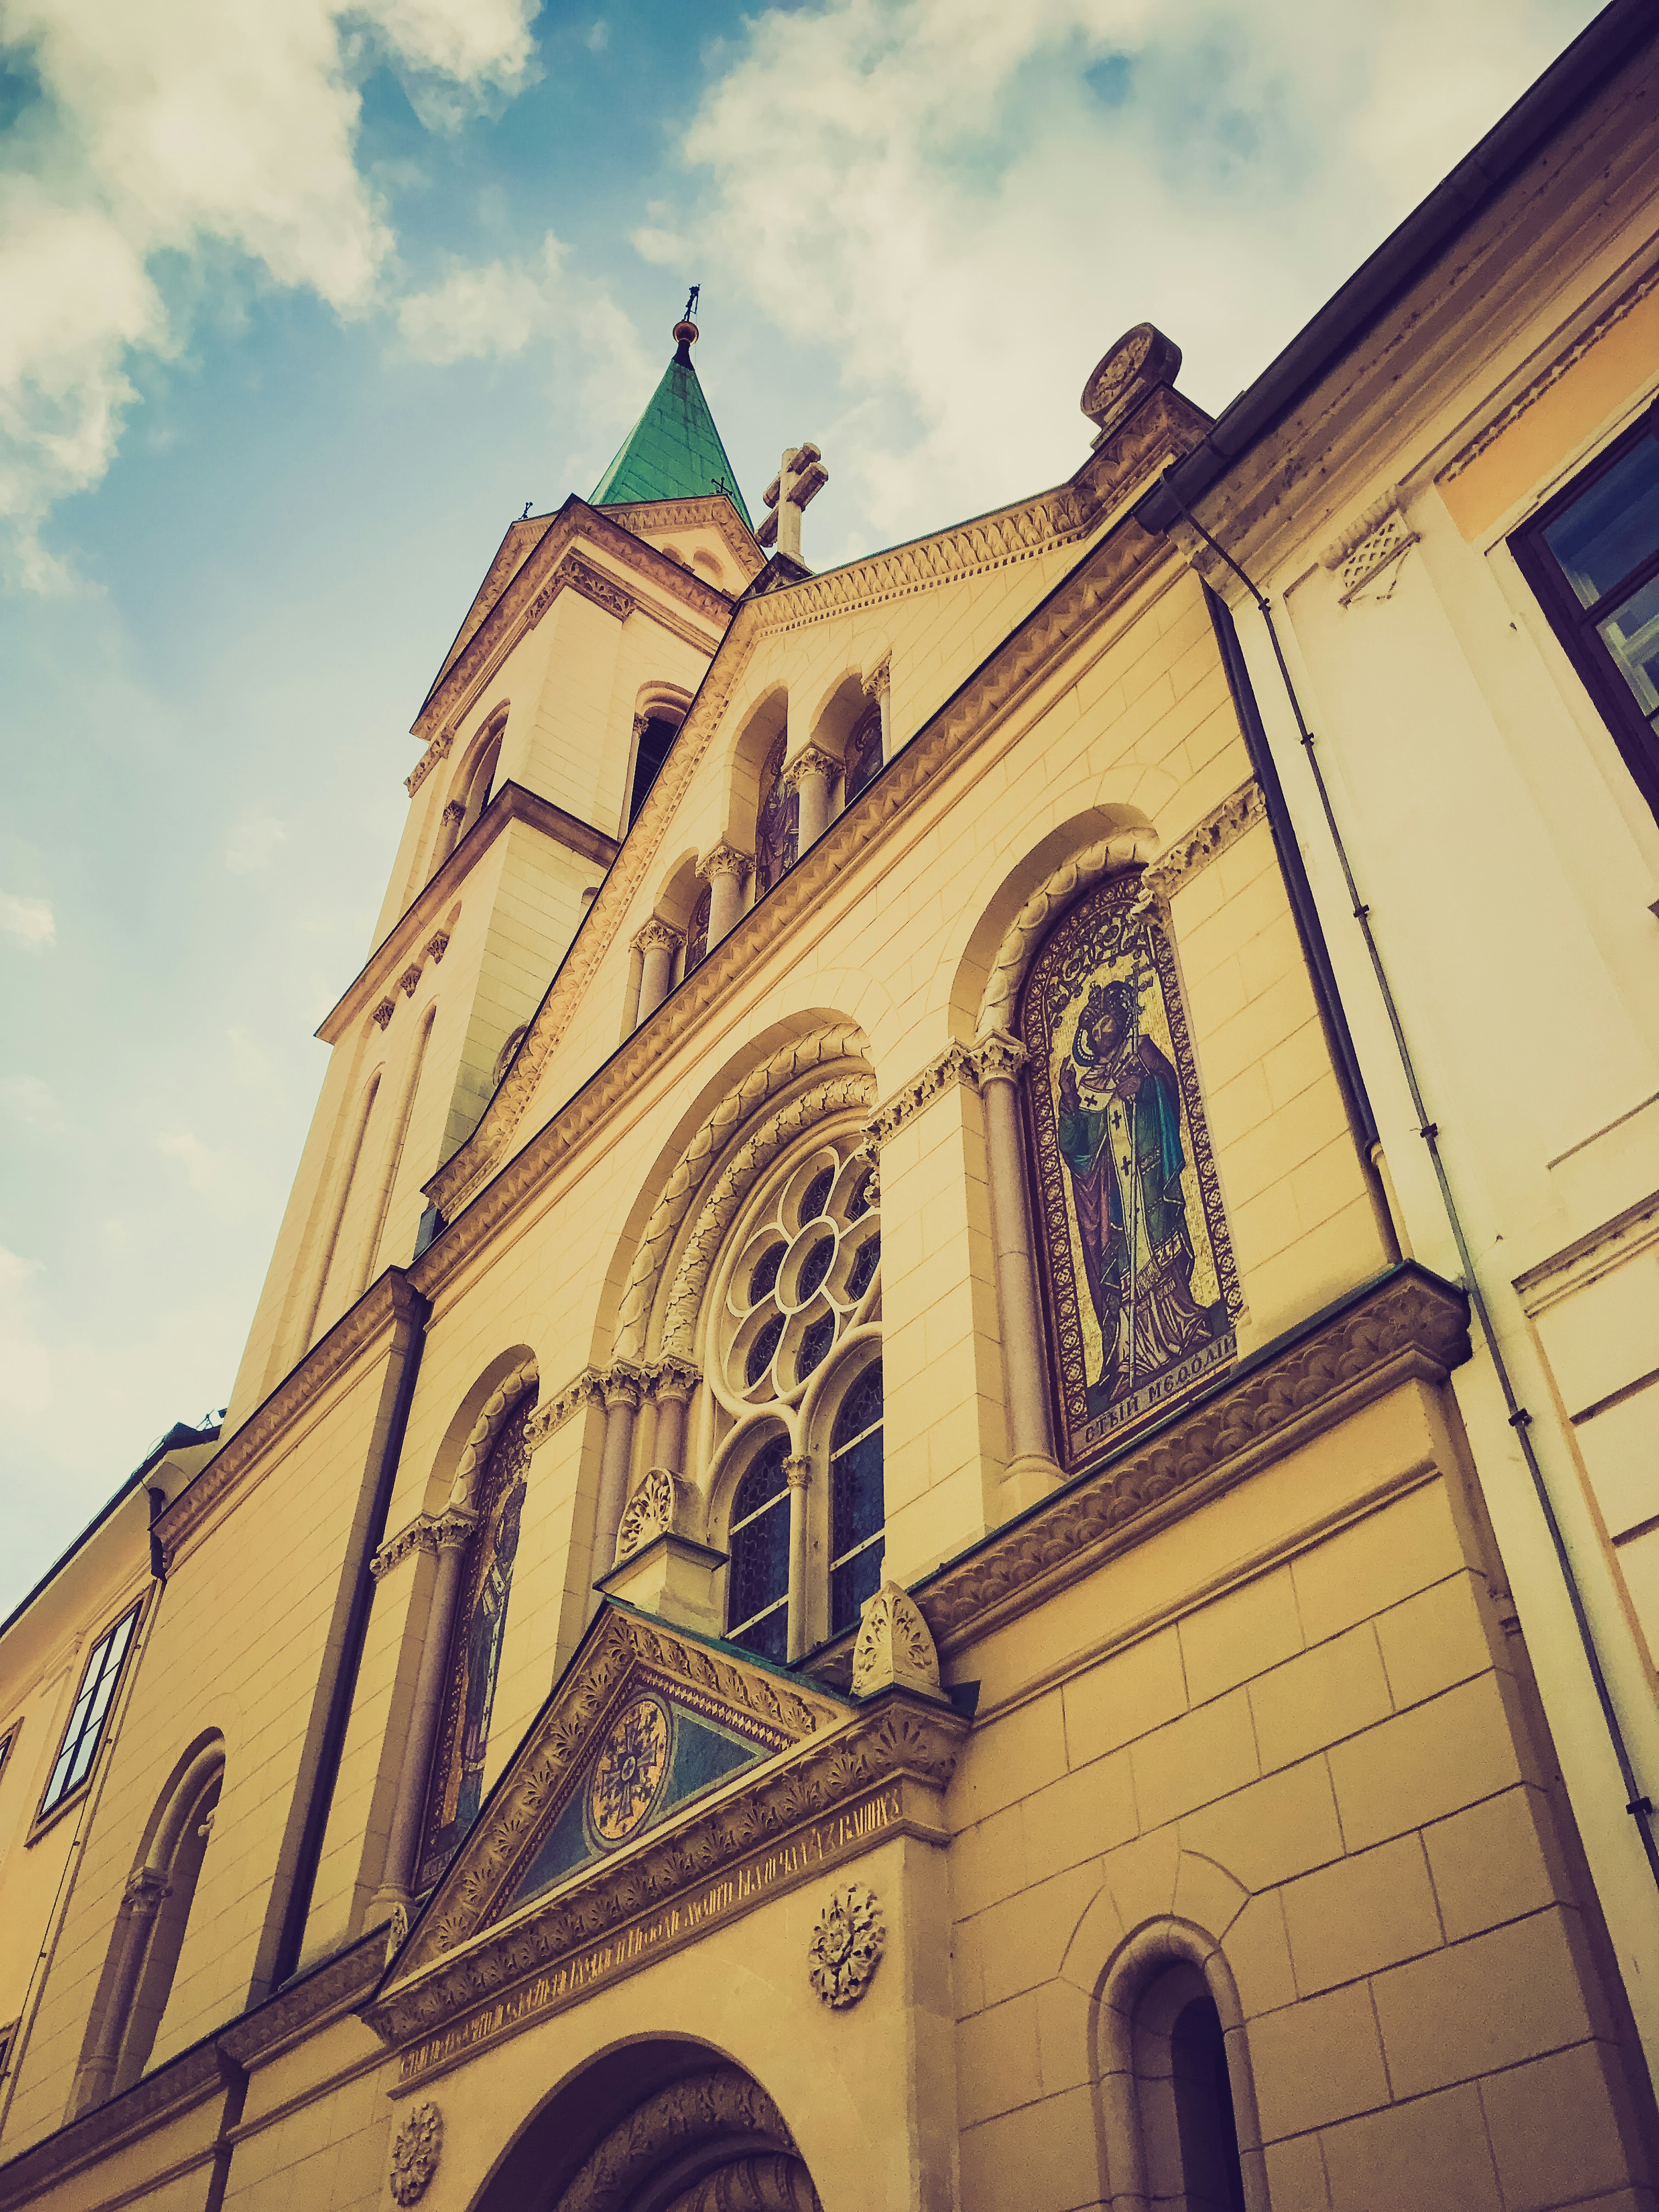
x: 799, y: 480
x: 895, y: 1647
x: 1142, y: 359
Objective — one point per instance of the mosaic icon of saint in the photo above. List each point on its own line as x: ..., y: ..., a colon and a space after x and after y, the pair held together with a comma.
x: 1119, y: 1130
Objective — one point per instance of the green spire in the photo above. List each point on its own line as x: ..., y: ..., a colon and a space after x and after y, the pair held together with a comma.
x: 673, y: 451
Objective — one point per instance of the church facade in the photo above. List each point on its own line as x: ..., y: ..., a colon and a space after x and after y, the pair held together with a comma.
x: 852, y: 1564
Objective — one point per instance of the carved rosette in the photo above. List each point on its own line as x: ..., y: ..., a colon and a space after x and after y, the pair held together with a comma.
x: 649, y: 1513
x: 415, y: 2152
x: 847, y: 1946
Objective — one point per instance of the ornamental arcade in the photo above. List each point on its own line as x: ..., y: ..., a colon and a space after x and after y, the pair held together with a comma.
x: 847, y: 1567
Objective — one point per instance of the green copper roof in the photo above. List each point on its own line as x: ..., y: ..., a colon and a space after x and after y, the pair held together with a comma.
x: 673, y: 451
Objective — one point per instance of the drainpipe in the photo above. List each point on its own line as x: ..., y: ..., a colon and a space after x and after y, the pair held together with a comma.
x: 1638, y: 1804
x: 297, y: 1908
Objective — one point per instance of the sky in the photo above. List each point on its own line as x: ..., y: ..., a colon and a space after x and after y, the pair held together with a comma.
x: 303, y: 302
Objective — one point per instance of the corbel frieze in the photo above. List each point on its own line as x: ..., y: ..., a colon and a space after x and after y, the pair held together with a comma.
x: 1122, y: 560
x: 1410, y: 1325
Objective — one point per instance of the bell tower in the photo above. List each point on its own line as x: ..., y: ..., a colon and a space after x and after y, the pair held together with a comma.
x: 551, y: 711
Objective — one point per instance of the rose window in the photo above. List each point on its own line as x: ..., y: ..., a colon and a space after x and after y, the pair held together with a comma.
x: 803, y: 1274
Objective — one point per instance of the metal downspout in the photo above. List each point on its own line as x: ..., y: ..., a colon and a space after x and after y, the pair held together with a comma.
x: 1638, y: 1803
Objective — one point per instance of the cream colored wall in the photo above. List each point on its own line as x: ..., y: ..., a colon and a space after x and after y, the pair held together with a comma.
x: 1293, y: 1720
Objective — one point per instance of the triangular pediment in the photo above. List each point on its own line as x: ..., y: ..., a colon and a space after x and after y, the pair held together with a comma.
x: 647, y: 1720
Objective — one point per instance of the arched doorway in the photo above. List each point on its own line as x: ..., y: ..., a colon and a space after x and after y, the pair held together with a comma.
x: 658, y: 2126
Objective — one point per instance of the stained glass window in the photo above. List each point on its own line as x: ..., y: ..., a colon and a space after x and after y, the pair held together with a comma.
x: 765, y: 1273
x: 816, y: 1339
x: 858, y: 1510
x: 864, y: 754
x: 697, y: 931
x: 813, y: 1268
x: 86, y: 1723
x: 757, y: 1579
x: 761, y: 1351
x: 862, y: 1271
x: 777, y: 826
x: 816, y: 1197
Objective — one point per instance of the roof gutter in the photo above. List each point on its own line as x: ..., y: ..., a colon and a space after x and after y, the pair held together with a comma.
x: 1405, y: 255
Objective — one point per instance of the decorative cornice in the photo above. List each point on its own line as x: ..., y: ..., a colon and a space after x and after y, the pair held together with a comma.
x: 394, y: 1299
x: 1541, y: 384
x: 880, y: 1771
x: 171, y: 2090
x: 715, y: 512
x: 955, y: 1065
x: 421, y: 1534
x: 1123, y: 559
x: 1220, y: 829
x: 587, y: 1388
x: 512, y: 803
x: 335, y: 1987
x: 592, y: 584
x: 1408, y: 1325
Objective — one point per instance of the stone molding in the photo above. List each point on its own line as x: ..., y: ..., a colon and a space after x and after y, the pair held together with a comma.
x: 840, y: 1041
x: 666, y: 2127
x: 391, y: 1299
x: 622, y: 1644
x: 1570, y: 358
x: 484, y: 1430
x: 1408, y: 1325
x: 1111, y: 855
x: 757, y: 1152
x: 882, y: 1770
x: 955, y: 1065
x: 512, y: 803
x: 1220, y: 829
x: 584, y: 1389
x: 592, y: 584
x: 420, y: 1535
x: 158, y: 2098
x: 336, y: 1986
x: 1125, y: 558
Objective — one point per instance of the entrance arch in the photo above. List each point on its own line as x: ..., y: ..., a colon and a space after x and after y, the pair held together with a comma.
x: 663, y: 2125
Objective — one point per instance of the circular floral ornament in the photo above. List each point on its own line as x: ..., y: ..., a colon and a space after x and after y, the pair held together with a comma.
x: 632, y: 1762
x: 414, y: 2149
x: 847, y: 1945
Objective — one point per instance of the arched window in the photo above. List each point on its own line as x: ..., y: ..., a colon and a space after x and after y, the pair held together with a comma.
x: 657, y: 734
x: 757, y: 1578
x: 481, y: 783
x: 858, y: 1510
x: 1188, y: 2128
x: 697, y: 931
x: 864, y: 755
x: 149, y: 1934
x: 777, y: 825
x: 455, y: 1789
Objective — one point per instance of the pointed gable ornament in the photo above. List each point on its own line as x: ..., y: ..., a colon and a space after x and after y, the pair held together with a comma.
x: 895, y: 1647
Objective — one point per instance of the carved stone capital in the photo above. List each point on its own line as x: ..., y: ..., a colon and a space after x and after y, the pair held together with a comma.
x: 144, y: 1892
x: 657, y: 936
x: 452, y: 1529
x: 879, y: 681
x: 797, y: 1471
x: 384, y: 1011
x: 622, y: 1385
x: 998, y: 1058
x: 671, y: 1381
x: 438, y: 945
x: 724, y: 859
x: 811, y: 761
x: 454, y: 812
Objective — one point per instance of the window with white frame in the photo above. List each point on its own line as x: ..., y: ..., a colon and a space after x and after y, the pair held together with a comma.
x: 91, y: 1711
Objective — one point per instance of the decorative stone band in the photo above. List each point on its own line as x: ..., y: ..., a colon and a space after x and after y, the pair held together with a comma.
x: 673, y: 2126
x: 880, y: 1773
x: 1535, y: 391
x: 427, y: 1531
x: 496, y: 1408
x: 972, y: 1064
x: 584, y: 1389
x: 1407, y: 1325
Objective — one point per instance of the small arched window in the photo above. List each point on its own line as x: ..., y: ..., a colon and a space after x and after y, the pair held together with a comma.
x: 864, y: 754
x: 857, y: 1510
x: 1189, y: 2131
x: 480, y: 784
x: 657, y: 734
x: 696, y: 930
x: 757, y: 1579
x: 777, y: 825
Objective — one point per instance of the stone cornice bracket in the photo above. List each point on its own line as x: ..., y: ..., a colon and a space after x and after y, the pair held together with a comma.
x: 723, y: 860
x: 1379, y: 538
x: 1410, y: 1325
x: 1107, y: 856
x: 812, y: 760
x: 656, y: 936
x: 587, y: 1388
x: 438, y: 945
x: 382, y: 1013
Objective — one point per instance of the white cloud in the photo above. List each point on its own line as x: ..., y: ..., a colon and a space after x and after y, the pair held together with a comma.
x: 968, y: 202
x: 182, y: 126
x: 598, y: 38
x: 252, y: 845
x: 205, y: 1170
x: 29, y: 1100
x: 30, y: 921
x: 25, y: 1364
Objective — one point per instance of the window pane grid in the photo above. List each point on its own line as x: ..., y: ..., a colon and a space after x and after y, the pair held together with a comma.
x: 80, y: 1738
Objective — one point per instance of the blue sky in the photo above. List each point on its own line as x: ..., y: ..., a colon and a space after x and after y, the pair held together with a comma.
x: 304, y: 303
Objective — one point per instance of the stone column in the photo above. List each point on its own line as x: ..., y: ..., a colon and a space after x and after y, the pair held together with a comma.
x: 812, y: 773
x: 621, y: 1386
x: 672, y: 1383
x: 396, y: 1879
x: 797, y: 1474
x: 147, y: 1891
x: 879, y: 687
x: 656, y: 943
x: 1032, y: 1468
x: 725, y: 870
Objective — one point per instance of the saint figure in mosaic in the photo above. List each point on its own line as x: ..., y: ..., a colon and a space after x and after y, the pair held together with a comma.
x: 1141, y: 1279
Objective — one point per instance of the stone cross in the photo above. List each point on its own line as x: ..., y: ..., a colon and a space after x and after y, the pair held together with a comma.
x: 802, y: 477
